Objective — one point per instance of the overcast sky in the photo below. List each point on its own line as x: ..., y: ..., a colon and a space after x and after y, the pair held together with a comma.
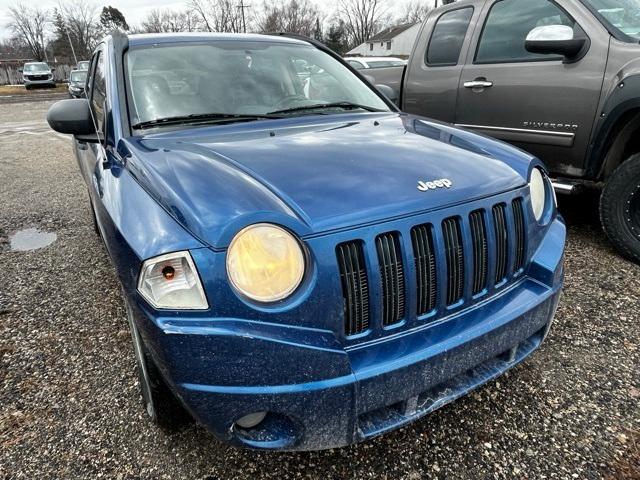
x: 134, y: 10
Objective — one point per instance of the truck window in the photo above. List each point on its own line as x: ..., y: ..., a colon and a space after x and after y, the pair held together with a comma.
x: 507, y: 26
x: 98, y: 93
x: 448, y: 36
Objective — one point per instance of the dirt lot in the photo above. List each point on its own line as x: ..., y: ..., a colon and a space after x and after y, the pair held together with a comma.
x: 69, y: 402
x: 18, y: 94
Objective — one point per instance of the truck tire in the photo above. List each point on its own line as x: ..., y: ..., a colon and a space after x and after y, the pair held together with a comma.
x: 620, y: 208
x: 159, y: 402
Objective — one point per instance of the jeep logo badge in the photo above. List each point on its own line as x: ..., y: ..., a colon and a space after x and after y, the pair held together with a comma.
x: 434, y: 184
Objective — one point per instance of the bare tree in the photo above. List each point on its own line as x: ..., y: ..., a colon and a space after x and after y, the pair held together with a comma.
x: 81, y: 21
x: 362, y: 18
x: 414, y: 11
x: 292, y: 16
x: 219, y: 15
x: 160, y: 21
x: 29, y: 26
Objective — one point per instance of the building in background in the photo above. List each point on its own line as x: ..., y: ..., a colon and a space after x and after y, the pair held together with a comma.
x: 394, y: 41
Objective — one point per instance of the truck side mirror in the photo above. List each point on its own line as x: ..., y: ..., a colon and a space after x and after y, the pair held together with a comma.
x: 555, y: 39
x: 73, y: 117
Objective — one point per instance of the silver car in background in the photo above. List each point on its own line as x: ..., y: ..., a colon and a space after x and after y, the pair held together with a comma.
x: 37, y: 74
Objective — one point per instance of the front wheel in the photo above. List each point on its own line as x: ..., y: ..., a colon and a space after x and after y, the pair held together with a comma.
x: 620, y: 208
x: 161, y: 405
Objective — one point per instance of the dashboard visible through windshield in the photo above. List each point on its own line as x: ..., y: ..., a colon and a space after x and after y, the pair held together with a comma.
x: 240, y: 78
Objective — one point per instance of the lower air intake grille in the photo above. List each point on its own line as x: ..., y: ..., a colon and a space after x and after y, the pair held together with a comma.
x: 480, y: 251
x: 425, y: 259
x: 455, y: 259
x: 355, y: 287
x: 392, y: 275
x: 502, y: 241
x: 518, y: 220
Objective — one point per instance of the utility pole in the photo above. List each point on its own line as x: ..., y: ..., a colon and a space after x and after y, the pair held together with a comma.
x: 242, y: 6
x: 73, y: 51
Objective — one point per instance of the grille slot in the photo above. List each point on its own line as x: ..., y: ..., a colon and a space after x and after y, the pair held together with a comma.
x: 425, y: 260
x: 502, y: 241
x: 454, y: 254
x: 480, y: 250
x: 392, y: 276
x: 355, y: 287
x: 520, y: 227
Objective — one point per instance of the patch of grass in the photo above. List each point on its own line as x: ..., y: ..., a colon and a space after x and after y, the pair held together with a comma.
x: 20, y: 90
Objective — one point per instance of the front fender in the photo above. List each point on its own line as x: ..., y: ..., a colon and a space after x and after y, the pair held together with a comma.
x: 622, y: 96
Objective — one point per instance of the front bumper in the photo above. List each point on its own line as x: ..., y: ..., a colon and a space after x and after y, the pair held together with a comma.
x: 39, y: 83
x: 320, y: 394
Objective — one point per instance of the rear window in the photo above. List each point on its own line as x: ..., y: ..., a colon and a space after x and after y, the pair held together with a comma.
x: 448, y: 36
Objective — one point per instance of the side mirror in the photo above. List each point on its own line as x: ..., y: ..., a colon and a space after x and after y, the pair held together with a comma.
x: 388, y: 92
x: 73, y: 117
x: 555, y: 39
x: 19, y: 70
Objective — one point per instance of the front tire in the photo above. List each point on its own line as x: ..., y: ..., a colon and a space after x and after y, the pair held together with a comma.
x: 620, y: 208
x: 160, y: 404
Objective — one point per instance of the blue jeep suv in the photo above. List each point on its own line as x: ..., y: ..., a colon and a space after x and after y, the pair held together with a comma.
x: 303, y: 265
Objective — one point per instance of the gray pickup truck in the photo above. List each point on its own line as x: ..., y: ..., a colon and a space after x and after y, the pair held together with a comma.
x: 560, y: 79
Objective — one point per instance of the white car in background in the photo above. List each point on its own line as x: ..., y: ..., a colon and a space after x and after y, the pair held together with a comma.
x: 362, y: 63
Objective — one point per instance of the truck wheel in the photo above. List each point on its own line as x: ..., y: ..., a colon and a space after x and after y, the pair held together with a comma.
x: 161, y: 405
x: 620, y: 208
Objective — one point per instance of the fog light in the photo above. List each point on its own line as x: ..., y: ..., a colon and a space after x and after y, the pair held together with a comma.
x: 251, y: 420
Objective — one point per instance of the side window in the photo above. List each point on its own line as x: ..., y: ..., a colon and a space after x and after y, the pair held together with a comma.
x: 356, y: 65
x: 89, y: 80
x: 98, y: 93
x: 448, y: 36
x: 508, y: 24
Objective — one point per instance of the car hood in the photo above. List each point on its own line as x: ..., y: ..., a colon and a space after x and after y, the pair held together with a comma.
x: 316, y: 174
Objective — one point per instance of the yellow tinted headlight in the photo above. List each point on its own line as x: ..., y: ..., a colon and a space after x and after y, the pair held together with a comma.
x: 265, y: 263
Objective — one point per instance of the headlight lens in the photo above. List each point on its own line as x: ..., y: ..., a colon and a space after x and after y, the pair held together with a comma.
x: 171, y: 281
x: 265, y: 263
x: 538, y: 191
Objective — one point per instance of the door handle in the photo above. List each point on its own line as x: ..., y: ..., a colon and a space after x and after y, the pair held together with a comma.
x: 478, y: 83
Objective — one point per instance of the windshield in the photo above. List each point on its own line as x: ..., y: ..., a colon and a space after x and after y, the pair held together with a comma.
x: 78, y: 77
x: 36, y: 67
x: 239, y: 78
x: 84, y: 65
x: 622, y: 14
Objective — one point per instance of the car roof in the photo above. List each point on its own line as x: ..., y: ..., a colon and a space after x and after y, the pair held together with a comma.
x: 154, y: 38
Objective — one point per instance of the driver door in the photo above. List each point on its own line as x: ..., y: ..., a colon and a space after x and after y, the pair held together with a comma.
x: 540, y: 103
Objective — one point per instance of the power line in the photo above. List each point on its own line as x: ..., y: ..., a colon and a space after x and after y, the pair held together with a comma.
x: 242, y: 6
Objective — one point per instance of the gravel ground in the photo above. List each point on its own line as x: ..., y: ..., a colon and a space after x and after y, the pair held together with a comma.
x: 69, y: 402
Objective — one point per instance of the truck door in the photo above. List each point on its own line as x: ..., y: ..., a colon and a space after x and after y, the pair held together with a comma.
x: 541, y: 103
x: 431, y: 80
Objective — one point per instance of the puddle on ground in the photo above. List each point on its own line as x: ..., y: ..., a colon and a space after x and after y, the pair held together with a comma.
x: 31, y: 239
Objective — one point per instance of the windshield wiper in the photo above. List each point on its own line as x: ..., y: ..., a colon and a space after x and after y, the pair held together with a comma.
x: 322, y: 106
x: 203, y: 118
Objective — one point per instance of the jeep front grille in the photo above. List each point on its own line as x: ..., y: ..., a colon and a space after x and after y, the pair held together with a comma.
x: 480, y: 251
x: 502, y: 241
x: 425, y: 261
x: 392, y: 277
x: 454, y: 254
x: 455, y: 262
x: 355, y: 287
